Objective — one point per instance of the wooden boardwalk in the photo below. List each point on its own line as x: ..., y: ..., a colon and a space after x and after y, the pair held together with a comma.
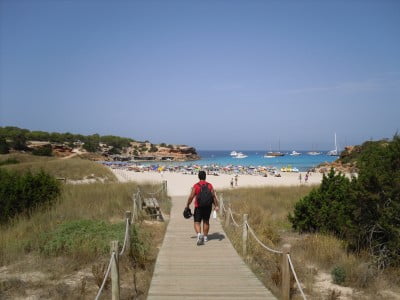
x: 212, y: 271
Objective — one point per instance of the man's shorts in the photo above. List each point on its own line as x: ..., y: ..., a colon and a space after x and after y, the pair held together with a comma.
x: 202, y: 213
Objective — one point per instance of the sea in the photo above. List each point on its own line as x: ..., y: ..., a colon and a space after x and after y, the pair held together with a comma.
x: 256, y: 158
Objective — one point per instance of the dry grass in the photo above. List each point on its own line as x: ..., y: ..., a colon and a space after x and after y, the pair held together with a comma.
x: 21, y: 242
x: 72, y: 169
x: 267, y: 210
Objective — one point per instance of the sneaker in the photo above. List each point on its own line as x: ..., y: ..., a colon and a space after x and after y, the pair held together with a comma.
x: 200, y: 240
x: 205, y: 239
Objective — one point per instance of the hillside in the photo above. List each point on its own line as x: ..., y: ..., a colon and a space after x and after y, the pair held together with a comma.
x: 347, y: 161
x: 93, y: 147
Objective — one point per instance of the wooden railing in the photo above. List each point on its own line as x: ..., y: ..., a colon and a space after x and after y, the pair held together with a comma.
x: 286, y: 261
x: 115, y: 253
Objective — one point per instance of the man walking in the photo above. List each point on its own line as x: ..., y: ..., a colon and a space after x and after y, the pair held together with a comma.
x: 204, y: 195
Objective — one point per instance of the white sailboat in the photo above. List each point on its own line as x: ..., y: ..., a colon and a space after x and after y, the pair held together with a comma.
x: 313, y: 152
x: 334, y: 152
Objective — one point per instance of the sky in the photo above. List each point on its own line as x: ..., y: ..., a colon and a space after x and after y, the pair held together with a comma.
x: 210, y: 74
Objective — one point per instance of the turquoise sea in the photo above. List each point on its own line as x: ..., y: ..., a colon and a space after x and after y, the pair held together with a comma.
x: 256, y: 158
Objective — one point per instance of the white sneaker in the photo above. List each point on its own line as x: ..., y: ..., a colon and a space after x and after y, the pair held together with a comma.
x: 200, y: 240
x: 205, y: 239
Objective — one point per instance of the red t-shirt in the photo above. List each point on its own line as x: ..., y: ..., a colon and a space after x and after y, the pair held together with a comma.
x: 197, y: 190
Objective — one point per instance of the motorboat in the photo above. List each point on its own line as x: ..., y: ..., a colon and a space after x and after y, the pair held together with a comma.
x: 240, y: 155
x: 295, y: 153
x: 234, y: 153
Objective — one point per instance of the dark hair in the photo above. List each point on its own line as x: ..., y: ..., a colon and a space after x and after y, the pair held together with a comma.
x: 202, y: 175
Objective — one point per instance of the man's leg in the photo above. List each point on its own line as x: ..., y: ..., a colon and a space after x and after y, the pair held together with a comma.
x: 206, y: 227
x: 197, y: 227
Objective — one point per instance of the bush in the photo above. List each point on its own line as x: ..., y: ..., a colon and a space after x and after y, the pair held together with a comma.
x: 327, y: 208
x: 9, y: 161
x: 21, y: 193
x: 338, y: 275
x: 4, y: 148
x: 153, y: 148
x: 45, y: 150
x: 364, y: 211
x: 83, y: 236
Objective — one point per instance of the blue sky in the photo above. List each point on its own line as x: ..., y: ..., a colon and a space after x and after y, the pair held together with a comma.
x: 211, y: 74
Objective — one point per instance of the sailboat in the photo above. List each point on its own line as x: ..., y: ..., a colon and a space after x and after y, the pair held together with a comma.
x: 313, y: 152
x: 272, y: 154
x: 334, y: 152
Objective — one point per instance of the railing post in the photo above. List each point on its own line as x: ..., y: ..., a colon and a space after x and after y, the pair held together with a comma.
x: 285, y: 272
x: 165, y: 187
x: 128, y: 216
x: 244, y: 235
x: 134, y: 208
x: 221, y: 204
x: 227, y: 217
x: 114, y: 271
x: 139, y: 201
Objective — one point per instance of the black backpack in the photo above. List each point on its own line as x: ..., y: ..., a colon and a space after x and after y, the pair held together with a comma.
x: 205, y: 197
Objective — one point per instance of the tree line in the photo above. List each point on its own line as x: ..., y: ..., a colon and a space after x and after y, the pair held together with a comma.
x: 16, y: 138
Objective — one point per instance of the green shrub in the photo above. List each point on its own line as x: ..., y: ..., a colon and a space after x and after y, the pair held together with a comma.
x: 45, y: 150
x: 338, y: 275
x: 73, y: 237
x: 21, y: 193
x: 327, y: 208
x: 9, y: 161
x: 365, y: 210
x: 4, y: 148
x: 140, y: 247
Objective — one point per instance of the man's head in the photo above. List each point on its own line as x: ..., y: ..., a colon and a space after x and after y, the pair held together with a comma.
x: 202, y: 175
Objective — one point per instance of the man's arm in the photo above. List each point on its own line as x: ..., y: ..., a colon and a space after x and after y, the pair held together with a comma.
x: 190, y: 199
x: 215, y: 200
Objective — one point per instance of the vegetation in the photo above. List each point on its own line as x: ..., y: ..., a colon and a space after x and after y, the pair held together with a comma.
x: 21, y: 193
x: 315, y: 255
x: 18, y: 138
x: 153, y: 148
x: 71, y: 169
x: 364, y: 211
x: 4, y: 148
x: 74, y: 235
x: 8, y: 161
x: 79, y: 236
x: 45, y: 150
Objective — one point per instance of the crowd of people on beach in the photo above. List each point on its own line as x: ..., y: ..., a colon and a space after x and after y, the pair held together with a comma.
x: 212, y: 170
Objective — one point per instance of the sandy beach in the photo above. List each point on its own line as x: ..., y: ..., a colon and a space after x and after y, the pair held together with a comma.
x: 180, y: 184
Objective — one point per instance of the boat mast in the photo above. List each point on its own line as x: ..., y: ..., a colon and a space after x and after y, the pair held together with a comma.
x: 336, y: 144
